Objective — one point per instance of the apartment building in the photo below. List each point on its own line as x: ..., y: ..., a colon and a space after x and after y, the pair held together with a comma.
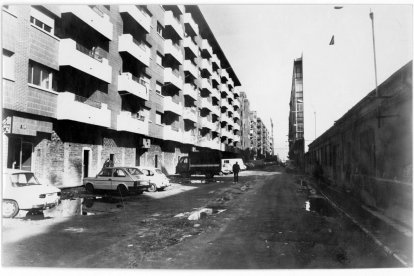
x: 296, y: 123
x: 245, y: 122
x: 137, y: 84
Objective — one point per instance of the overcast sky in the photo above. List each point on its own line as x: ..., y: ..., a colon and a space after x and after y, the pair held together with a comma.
x: 261, y: 42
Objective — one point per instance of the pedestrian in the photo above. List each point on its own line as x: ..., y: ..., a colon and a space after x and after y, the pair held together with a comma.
x: 236, y: 169
x: 108, y: 163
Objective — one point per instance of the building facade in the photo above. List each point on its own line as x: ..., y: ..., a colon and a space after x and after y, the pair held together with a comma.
x: 245, y: 121
x: 296, y: 120
x: 368, y: 151
x: 137, y: 84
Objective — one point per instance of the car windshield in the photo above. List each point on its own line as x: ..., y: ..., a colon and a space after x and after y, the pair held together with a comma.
x: 133, y: 171
x: 158, y: 171
x: 24, y: 179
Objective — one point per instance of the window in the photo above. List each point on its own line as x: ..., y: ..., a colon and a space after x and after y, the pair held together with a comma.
x: 42, y: 76
x: 159, y: 59
x: 158, y: 88
x: 41, y: 20
x: 160, y: 28
x: 158, y: 117
x: 105, y: 173
x: 119, y: 173
x: 8, y: 65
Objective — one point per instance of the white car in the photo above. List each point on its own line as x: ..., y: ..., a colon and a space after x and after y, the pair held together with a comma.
x: 22, y: 191
x: 158, y: 180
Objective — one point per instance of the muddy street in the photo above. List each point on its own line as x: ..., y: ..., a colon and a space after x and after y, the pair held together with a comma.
x: 267, y: 220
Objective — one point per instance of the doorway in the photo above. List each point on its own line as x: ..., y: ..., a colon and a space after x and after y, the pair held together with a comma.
x: 85, y: 164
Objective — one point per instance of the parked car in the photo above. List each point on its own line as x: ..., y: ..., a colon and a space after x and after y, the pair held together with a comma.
x: 23, y: 191
x: 157, y: 179
x: 121, y: 179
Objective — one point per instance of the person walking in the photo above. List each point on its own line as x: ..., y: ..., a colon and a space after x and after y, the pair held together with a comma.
x: 236, y: 169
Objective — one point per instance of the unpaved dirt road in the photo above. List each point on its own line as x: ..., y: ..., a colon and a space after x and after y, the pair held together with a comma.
x: 269, y: 221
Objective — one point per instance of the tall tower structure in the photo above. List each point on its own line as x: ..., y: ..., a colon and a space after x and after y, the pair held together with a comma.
x: 296, y: 120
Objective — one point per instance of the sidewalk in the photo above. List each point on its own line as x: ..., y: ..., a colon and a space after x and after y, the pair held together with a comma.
x: 393, y: 237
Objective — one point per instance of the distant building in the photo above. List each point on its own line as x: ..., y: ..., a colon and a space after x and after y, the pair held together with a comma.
x: 296, y: 123
x: 245, y: 121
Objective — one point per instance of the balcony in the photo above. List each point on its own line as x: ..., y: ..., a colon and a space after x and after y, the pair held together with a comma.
x: 224, y: 89
x: 206, y: 142
x: 206, y: 48
x: 236, y: 91
x: 172, y: 133
x: 140, y: 16
x: 205, y: 84
x: 174, y: 23
x: 216, y: 60
x: 230, y: 83
x: 173, y: 77
x: 215, y: 144
x: 206, y: 66
x: 136, y: 86
x: 224, y: 74
x: 236, y: 126
x: 79, y: 109
x: 215, y: 78
x: 236, y: 103
x: 215, y: 94
x: 236, y: 115
x: 207, y: 124
x: 190, y: 90
x: 236, y: 138
x: 138, y: 50
x: 192, y: 26
x: 225, y: 103
x: 189, y: 138
x: 190, y: 114
x: 78, y: 57
x: 96, y: 19
x: 174, y: 50
x: 189, y: 43
x: 171, y: 106
x: 205, y: 103
x: 135, y: 124
x: 216, y: 110
x: 190, y: 67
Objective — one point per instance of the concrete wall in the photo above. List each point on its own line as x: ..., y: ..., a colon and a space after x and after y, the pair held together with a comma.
x: 372, y: 157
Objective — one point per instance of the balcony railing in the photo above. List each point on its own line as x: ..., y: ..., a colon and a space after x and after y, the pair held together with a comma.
x: 190, y: 67
x: 173, y: 77
x: 170, y: 20
x: 206, y: 84
x: 133, y: 122
x: 205, y: 46
x: 80, y: 109
x: 190, y: 90
x: 137, y: 49
x: 206, y: 65
x: 189, y: 43
x: 139, y: 15
x: 189, y: 21
x: 98, y: 20
x: 134, y: 85
x: 86, y: 60
x: 174, y: 50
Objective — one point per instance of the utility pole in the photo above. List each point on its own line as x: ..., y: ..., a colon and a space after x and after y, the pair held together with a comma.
x: 371, y: 15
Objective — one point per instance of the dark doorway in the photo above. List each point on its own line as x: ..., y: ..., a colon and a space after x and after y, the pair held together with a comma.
x: 86, y: 163
x: 156, y: 161
x: 27, y: 149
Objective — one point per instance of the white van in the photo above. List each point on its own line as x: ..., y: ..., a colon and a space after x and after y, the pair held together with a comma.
x: 227, y: 165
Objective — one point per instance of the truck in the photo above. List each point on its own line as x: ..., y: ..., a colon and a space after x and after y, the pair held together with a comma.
x: 207, y: 163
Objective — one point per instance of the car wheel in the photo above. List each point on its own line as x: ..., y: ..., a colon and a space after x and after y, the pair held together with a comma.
x: 89, y: 188
x: 122, y: 190
x: 10, y: 208
x: 152, y: 188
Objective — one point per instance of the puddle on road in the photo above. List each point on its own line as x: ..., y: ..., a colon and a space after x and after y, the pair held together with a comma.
x: 87, y: 206
x: 321, y: 206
